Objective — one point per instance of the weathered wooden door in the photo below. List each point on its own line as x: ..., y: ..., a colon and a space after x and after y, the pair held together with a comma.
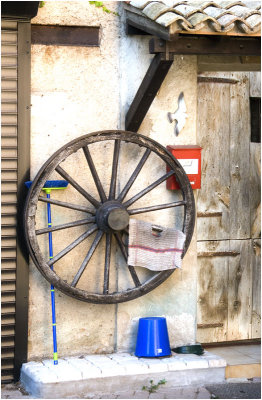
x: 228, y: 204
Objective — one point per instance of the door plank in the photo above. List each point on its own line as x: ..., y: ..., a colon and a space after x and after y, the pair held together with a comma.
x: 212, y: 306
x: 213, y: 137
x: 255, y: 84
x: 255, y: 166
x: 256, y: 295
x: 255, y: 196
x: 240, y: 291
x: 239, y: 215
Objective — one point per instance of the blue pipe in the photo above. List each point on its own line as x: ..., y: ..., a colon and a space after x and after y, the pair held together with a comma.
x: 49, y: 219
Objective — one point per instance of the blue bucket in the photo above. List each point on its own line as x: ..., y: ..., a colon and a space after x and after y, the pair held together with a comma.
x: 152, y: 338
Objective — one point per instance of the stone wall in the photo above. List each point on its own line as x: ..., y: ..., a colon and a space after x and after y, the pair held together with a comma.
x: 79, y: 90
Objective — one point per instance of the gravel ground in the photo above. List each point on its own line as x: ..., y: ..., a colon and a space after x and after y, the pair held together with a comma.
x: 249, y: 389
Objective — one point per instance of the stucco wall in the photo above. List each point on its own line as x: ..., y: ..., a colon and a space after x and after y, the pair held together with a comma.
x: 81, y: 90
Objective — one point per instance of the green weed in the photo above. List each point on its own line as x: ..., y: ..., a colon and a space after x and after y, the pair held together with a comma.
x: 100, y: 4
x: 153, y: 387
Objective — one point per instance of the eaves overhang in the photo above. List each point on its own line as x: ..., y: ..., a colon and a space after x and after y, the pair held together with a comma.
x: 166, y: 19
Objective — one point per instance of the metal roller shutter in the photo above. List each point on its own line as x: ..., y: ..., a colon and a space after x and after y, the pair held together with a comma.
x: 9, y: 77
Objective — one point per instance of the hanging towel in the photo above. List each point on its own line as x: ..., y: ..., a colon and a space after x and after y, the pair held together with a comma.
x: 154, y: 247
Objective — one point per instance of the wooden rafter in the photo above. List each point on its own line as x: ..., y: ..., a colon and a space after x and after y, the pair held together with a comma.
x: 207, y: 45
x: 147, y: 91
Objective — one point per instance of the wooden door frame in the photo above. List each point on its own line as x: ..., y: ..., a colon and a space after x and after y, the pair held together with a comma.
x: 23, y: 172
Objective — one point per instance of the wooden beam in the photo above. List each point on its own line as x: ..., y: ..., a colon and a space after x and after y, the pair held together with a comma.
x: 208, y: 32
x: 147, y: 26
x: 132, y: 30
x: 135, y: 18
x: 147, y: 91
x: 215, y: 79
x: 65, y: 35
x: 228, y: 63
x: 206, y: 45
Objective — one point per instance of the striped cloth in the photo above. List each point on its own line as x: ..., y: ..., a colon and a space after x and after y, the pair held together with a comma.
x: 154, y: 247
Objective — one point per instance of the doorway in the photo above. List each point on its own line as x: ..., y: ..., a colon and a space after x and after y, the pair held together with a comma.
x: 228, y: 204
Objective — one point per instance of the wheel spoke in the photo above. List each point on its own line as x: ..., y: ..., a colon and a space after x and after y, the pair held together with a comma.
x: 130, y: 267
x: 134, y: 175
x: 94, y: 173
x: 72, y: 245
x: 87, y: 258
x: 79, y: 188
x: 148, y: 189
x: 107, y: 262
x: 156, y: 208
x: 65, y: 226
x: 112, y: 191
x: 66, y: 205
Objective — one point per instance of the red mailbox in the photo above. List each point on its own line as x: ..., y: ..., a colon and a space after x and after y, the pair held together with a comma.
x: 190, y: 159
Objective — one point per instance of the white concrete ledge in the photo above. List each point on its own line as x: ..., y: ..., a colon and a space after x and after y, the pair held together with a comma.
x: 96, y: 376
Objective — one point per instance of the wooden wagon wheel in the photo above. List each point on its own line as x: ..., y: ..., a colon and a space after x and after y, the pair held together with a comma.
x: 108, y: 216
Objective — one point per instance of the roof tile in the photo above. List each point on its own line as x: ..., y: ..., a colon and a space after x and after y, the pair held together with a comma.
x: 254, y: 5
x: 139, y: 4
x: 199, y: 20
x: 215, y: 12
x: 154, y: 10
x: 203, y: 4
x: 221, y: 16
x: 226, y: 21
x: 186, y: 10
x: 172, y: 18
x: 242, y: 12
x: 227, y: 3
x: 254, y: 21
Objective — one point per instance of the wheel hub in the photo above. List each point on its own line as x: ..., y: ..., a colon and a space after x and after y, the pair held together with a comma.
x: 112, y: 216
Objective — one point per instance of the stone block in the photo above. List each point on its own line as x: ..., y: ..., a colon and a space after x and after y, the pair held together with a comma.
x: 214, y: 360
x: 122, y: 357
x: 108, y: 366
x: 87, y: 369
x: 193, y: 361
x: 155, y: 365
x: 38, y: 373
x: 31, y: 364
x: 63, y: 370
x: 135, y: 367
x: 174, y: 363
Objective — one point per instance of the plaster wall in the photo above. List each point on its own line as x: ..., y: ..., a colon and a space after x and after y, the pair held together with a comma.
x: 79, y: 90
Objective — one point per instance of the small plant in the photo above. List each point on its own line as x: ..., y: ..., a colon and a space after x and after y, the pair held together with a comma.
x: 153, y: 387
x: 100, y: 4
